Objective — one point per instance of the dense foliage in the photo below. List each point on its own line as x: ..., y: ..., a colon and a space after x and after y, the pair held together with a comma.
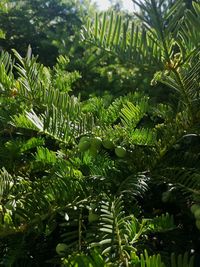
x: 49, y: 26
x: 112, y: 179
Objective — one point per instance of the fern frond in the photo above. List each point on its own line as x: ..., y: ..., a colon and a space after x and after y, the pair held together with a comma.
x: 131, y: 114
x: 21, y: 121
x: 112, y: 226
x: 187, y: 178
x: 116, y: 35
x: 189, y: 35
x: 119, y: 233
x: 134, y: 186
x: 182, y: 260
x: 149, y: 44
x: 61, y: 125
x: 6, y: 73
x: 150, y: 261
x: 143, y: 137
x: 94, y: 259
x: 61, y: 100
x: 45, y: 156
x: 185, y: 82
x: 61, y: 79
x: 162, y: 223
x: 6, y: 184
x: 31, y: 76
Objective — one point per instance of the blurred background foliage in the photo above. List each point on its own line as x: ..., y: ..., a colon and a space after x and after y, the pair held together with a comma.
x: 53, y: 28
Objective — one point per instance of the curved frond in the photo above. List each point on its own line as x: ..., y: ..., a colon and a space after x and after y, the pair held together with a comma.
x: 127, y: 40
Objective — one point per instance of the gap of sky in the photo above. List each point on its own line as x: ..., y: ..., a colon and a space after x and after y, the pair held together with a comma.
x: 105, y: 4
